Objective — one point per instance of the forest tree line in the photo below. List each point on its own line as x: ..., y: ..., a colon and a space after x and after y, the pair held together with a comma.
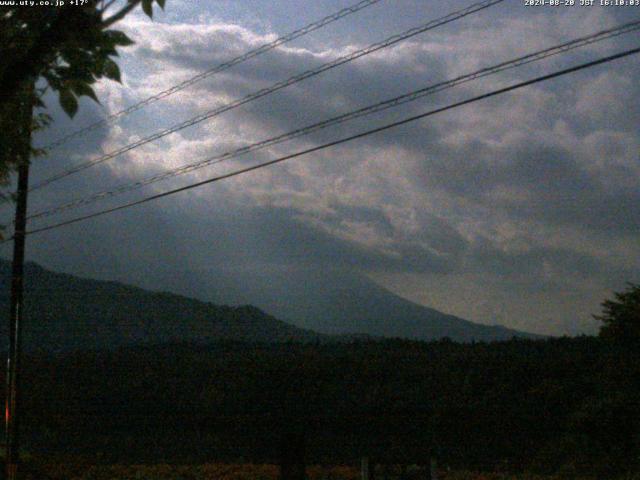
x: 567, y: 404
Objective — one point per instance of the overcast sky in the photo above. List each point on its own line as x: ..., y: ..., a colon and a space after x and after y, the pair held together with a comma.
x: 522, y: 210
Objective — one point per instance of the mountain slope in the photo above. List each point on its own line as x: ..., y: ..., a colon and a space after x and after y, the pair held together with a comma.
x: 338, y: 302
x: 65, y: 312
x: 331, y: 301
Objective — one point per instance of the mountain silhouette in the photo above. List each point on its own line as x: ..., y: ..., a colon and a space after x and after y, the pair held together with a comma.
x: 337, y: 302
x: 67, y: 312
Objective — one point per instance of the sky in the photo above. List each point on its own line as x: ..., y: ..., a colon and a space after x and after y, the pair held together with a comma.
x: 521, y: 210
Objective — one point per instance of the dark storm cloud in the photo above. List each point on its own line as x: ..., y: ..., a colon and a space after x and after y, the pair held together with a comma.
x: 541, y: 183
x: 551, y: 184
x: 537, y: 262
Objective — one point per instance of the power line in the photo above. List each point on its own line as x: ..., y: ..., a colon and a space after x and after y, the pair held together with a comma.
x: 217, y: 69
x: 275, y: 87
x: 452, y: 106
x: 386, y: 104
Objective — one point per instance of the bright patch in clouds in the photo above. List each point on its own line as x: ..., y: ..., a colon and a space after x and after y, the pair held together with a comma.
x: 522, y: 210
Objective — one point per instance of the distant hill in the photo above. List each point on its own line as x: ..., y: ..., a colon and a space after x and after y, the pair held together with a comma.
x: 326, y: 300
x: 66, y: 312
x: 339, y: 302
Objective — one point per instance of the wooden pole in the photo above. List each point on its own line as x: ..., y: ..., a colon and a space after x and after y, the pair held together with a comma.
x: 433, y: 469
x: 364, y: 468
x: 367, y: 468
x: 12, y: 403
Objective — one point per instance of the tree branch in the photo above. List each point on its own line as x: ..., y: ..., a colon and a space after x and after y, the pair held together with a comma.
x: 26, y: 68
x: 104, y: 7
x: 121, y: 14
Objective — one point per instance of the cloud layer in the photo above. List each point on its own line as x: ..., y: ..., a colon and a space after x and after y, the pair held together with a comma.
x: 523, y: 209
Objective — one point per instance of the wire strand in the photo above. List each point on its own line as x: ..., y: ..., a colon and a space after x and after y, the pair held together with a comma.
x: 452, y: 106
x: 217, y: 69
x: 371, y: 109
x: 275, y: 87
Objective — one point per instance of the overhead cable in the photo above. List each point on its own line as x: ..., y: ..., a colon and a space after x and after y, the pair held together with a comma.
x: 275, y: 87
x: 217, y: 69
x: 371, y: 109
x: 324, y: 146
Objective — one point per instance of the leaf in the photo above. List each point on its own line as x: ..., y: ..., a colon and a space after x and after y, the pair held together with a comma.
x: 111, y: 70
x: 76, y: 56
x: 161, y: 3
x: 88, y: 91
x: 68, y: 102
x: 82, y: 88
x: 119, y: 38
x: 147, y: 7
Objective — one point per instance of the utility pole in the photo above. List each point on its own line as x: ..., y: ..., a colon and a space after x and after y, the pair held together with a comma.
x: 17, y: 309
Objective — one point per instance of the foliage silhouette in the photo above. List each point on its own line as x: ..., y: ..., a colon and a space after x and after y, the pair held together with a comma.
x: 68, y: 47
x: 621, y: 317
